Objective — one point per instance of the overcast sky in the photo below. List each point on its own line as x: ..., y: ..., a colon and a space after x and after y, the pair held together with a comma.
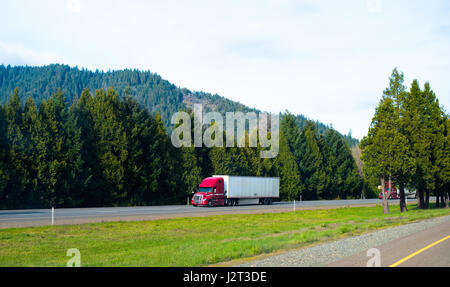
x: 327, y: 60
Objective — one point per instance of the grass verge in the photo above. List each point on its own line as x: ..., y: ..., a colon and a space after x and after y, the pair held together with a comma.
x: 195, y: 241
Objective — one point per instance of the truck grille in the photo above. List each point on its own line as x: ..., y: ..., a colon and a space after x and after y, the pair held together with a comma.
x: 197, y: 199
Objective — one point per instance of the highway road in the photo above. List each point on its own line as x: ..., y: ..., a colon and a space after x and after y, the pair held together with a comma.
x: 38, y: 217
x: 422, y: 243
x: 426, y: 248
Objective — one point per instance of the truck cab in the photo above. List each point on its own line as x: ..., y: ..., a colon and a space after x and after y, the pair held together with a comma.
x: 210, y: 192
x: 393, y: 195
x: 230, y: 190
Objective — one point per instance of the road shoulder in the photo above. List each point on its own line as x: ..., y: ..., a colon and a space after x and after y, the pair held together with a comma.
x: 328, y: 254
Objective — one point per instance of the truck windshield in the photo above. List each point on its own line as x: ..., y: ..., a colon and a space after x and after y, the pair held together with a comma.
x: 204, y: 189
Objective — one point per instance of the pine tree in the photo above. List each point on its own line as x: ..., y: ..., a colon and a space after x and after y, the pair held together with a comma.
x: 74, y: 173
x: 91, y: 175
x: 443, y: 180
x: 377, y: 145
x: 57, y: 154
x: 386, y: 149
x: 402, y: 157
x: 312, y: 164
x: 251, y: 156
x: 307, y: 148
x: 286, y: 168
x: 112, y: 145
x: 421, y: 117
x: 227, y: 160
x: 4, y: 152
x: 30, y: 123
x: 136, y: 125
x: 342, y: 170
x: 191, y: 167
x: 18, y: 158
x: 168, y: 165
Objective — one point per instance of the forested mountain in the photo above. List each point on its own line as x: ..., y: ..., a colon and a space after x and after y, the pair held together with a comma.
x: 147, y: 88
x: 112, y: 147
x: 41, y: 83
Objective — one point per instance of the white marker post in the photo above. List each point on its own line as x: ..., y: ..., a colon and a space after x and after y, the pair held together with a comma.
x: 53, y: 215
x: 294, y: 205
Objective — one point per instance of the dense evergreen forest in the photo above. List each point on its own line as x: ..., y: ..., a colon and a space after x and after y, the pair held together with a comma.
x: 148, y: 89
x: 63, y: 145
x: 110, y: 150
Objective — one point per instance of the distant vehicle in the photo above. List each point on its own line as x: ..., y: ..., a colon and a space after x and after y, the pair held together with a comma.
x: 394, y: 193
x: 228, y: 190
x: 410, y: 193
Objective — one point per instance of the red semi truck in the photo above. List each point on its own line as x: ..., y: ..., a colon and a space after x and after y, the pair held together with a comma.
x: 394, y: 193
x: 220, y: 190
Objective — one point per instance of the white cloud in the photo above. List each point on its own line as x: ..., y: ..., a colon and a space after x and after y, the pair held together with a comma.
x: 15, y: 54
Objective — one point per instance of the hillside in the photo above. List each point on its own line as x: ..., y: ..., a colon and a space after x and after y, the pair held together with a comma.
x: 149, y: 89
x: 109, y: 149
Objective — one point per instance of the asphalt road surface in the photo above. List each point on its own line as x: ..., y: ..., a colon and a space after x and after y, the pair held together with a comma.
x: 427, y: 248
x: 38, y: 217
x: 422, y: 243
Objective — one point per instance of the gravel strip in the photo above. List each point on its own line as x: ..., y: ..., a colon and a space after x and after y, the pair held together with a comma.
x: 324, y: 254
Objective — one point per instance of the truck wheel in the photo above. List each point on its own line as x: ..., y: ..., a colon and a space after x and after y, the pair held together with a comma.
x: 210, y: 203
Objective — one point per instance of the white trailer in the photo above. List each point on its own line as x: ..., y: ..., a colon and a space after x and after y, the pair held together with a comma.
x: 250, y: 189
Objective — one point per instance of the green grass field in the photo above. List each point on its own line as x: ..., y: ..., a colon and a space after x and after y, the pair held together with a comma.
x: 195, y: 241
